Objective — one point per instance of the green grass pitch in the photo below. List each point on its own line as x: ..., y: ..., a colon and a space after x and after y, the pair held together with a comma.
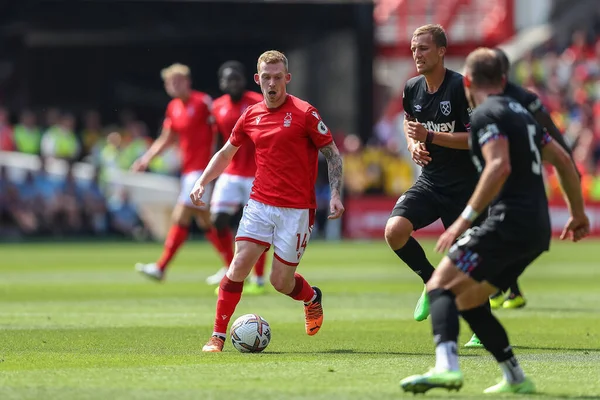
x: 77, y: 322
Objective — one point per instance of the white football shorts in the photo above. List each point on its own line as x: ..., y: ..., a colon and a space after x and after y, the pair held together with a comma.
x: 286, y: 229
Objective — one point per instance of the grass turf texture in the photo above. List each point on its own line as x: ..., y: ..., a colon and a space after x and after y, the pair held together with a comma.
x: 77, y: 322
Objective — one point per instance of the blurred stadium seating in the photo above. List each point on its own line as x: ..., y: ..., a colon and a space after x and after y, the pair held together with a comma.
x: 565, y: 73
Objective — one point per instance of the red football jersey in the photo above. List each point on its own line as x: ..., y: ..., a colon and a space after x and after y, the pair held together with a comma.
x: 192, y: 122
x: 226, y: 113
x: 287, y: 140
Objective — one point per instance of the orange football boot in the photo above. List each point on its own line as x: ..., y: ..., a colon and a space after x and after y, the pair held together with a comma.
x: 313, y: 314
x: 214, y: 345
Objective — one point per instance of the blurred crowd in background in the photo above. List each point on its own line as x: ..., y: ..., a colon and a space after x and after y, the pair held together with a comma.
x: 38, y: 203
x: 566, y: 79
x: 568, y: 82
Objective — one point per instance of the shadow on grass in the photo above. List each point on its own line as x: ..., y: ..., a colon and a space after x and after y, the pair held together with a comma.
x: 583, y: 350
x: 360, y: 352
x: 563, y: 309
x: 564, y: 396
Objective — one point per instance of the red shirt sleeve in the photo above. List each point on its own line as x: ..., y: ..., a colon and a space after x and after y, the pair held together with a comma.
x: 167, y: 123
x: 317, y: 130
x: 238, y: 136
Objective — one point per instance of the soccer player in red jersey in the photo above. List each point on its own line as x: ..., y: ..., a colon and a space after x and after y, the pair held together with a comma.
x: 233, y: 187
x: 288, y: 133
x: 189, y: 120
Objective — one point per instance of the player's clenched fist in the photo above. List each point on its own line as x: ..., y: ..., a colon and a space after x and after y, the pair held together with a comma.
x: 336, y: 208
x: 197, y: 193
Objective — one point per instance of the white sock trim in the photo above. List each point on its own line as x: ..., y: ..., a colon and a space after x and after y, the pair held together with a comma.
x: 446, y: 357
x: 512, y: 371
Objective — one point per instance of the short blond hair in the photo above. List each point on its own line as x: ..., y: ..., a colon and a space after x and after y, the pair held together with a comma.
x: 437, y: 33
x: 175, y: 69
x: 272, y: 57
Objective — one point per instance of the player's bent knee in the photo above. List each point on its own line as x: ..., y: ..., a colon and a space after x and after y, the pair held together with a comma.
x: 280, y: 285
x: 240, y: 268
x: 473, y: 296
x: 221, y: 221
x: 246, y: 255
x: 397, y: 232
x: 282, y: 277
x: 182, y: 215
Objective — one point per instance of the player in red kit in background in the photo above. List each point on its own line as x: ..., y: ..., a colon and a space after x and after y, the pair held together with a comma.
x: 233, y: 187
x: 288, y: 133
x: 189, y: 120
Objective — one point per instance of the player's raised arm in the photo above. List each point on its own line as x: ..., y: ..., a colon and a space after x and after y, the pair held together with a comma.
x: 452, y: 140
x: 167, y: 137
x: 578, y: 225
x: 497, y: 168
x: 215, y: 167
x: 495, y: 152
x: 417, y: 150
x: 545, y: 120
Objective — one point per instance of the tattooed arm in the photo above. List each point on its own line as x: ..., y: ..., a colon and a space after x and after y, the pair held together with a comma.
x: 334, y: 166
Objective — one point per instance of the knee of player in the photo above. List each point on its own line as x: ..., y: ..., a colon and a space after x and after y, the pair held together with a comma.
x: 276, y: 282
x: 182, y: 215
x: 239, y: 269
x: 397, y: 232
x: 471, y: 297
x: 221, y: 221
x: 279, y: 282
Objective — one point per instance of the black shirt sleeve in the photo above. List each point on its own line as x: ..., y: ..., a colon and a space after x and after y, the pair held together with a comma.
x: 489, y: 131
x: 408, y: 112
x: 532, y: 102
x: 460, y: 99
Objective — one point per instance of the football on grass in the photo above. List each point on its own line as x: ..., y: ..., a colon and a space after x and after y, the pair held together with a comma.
x: 250, y: 333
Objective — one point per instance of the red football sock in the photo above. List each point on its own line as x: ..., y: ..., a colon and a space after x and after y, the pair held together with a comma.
x: 230, y: 293
x: 302, y: 290
x: 175, y: 238
x: 226, y: 239
x: 259, y: 267
x: 214, y: 239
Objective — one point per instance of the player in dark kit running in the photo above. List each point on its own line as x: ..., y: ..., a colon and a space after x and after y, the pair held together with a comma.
x: 436, y: 125
x: 514, y: 297
x: 508, y: 148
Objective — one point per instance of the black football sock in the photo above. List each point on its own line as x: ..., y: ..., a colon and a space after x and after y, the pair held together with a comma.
x: 444, y: 321
x: 515, y: 290
x: 494, y: 338
x: 414, y: 256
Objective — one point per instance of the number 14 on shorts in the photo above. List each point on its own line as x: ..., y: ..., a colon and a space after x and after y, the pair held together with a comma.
x: 301, y: 243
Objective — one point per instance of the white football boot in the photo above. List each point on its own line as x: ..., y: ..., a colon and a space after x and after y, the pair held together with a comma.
x: 216, y: 278
x: 150, y: 270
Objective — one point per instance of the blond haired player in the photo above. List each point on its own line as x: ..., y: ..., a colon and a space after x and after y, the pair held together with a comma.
x: 288, y: 133
x: 188, y: 120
